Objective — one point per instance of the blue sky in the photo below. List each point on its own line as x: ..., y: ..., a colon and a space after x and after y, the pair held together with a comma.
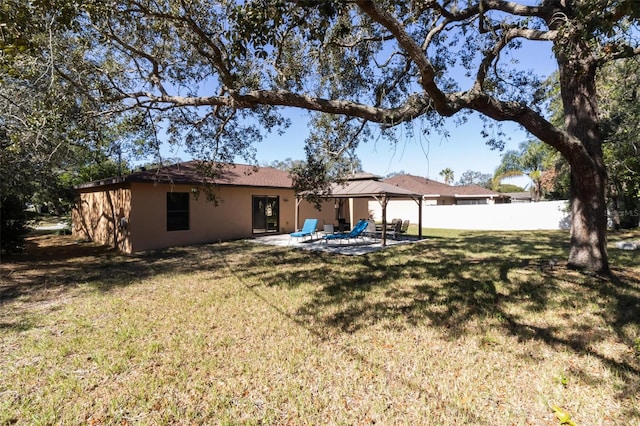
x: 464, y: 149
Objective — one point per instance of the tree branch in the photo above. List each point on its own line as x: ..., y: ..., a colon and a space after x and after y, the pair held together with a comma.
x: 426, y: 69
x: 486, y: 5
x: 415, y: 106
x: 615, y: 51
x: 525, y: 116
x: 154, y: 75
x: 513, y: 8
x: 507, y: 36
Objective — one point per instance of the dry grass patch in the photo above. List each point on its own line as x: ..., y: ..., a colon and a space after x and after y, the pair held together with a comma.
x: 465, y: 328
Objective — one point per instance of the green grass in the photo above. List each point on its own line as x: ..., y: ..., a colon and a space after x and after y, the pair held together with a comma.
x: 463, y: 328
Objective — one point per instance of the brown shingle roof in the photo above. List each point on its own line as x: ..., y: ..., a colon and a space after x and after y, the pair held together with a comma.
x: 475, y: 190
x: 426, y: 186
x: 191, y: 173
x: 421, y: 185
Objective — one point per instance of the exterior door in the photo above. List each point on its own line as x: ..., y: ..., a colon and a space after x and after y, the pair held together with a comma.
x: 266, y: 214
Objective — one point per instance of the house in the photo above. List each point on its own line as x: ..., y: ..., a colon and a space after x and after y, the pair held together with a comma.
x: 520, y: 197
x: 470, y: 207
x: 437, y: 193
x: 168, y: 206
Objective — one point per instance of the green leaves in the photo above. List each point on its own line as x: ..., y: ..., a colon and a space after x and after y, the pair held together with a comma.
x: 23, y: 23
x: 534, y: 159
x: 619, y: 86
x: 563, y: 416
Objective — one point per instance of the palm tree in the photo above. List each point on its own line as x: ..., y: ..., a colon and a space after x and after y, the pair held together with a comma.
x: 529, y: 160
x: 448, y: 175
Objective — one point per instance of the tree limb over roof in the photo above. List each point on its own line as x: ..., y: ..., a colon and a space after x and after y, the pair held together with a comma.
x: 252, y: 67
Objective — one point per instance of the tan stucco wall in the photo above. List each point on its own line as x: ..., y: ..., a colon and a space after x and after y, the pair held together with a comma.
x: 360, y: 208
x: 145, y: 210
x: 97, y: 215
x: 327, y: 213
x: 230, y: 219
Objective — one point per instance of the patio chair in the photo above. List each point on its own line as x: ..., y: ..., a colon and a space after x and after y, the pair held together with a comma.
x: 395, y: 228
x: 371, y: 229
x: 355, y: 233
x: 308, y: 229
x: 404, y: 227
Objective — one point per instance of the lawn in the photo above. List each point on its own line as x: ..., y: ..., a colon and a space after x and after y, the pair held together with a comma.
x: 462, y: 328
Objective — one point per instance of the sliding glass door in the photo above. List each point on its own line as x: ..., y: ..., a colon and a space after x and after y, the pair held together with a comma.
x: 266, y: 215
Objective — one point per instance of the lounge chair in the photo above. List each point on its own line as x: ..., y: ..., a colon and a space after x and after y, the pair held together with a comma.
x: 355, y: 233
x: 308, y: 229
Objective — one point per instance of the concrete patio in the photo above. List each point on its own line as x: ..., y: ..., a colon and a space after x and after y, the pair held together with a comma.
x: 351, y: 248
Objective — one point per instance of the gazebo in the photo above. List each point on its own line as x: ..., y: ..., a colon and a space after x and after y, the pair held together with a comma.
x: 369, y: 186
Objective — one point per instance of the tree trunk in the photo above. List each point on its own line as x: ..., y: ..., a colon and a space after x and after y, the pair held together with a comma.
x: 589, y: 220
x: 588, y: 173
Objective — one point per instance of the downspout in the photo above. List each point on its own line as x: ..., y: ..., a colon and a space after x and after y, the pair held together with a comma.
x: 297, y: 213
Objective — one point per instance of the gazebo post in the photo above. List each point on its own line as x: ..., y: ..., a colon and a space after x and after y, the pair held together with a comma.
x: 419, y: 201
x: 384, y: 202
x: 352, y: 218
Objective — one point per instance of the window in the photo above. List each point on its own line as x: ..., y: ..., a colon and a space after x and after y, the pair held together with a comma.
x: 177, y: 211
x: 471, y: 202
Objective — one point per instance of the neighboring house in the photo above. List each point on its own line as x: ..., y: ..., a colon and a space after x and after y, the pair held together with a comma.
x: 470, y: 207
x: 159, y: 208
x: 437, y: 193
x: 520, y: 197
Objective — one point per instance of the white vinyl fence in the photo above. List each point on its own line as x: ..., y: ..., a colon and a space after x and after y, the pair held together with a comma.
x: 505, y: 217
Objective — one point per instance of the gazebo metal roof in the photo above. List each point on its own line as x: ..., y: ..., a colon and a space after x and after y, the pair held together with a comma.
x: 370, y: 188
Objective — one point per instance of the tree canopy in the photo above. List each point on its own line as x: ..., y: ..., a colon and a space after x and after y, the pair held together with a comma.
x: 447, y: 174
x: 533, y: 158
x: 54, y: 132
x: 620, y: 85
x: 471, y: 177
x: 215, y: 74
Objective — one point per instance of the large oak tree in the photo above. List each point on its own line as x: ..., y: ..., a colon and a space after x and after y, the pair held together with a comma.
x: 53, y: 132
x: 217, y: 73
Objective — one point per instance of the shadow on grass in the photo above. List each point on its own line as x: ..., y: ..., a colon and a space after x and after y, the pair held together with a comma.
x: 450, y: 282
x: 457, y: 285
x: 53, y: 264
x: 510, y: 281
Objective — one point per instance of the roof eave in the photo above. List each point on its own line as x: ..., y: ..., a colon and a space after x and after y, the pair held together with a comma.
x: 479, y: 196
x: 123, y: 180
x: 102, y: 182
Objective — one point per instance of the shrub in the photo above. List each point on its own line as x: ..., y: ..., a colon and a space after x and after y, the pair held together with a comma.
x: 13, y: 220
